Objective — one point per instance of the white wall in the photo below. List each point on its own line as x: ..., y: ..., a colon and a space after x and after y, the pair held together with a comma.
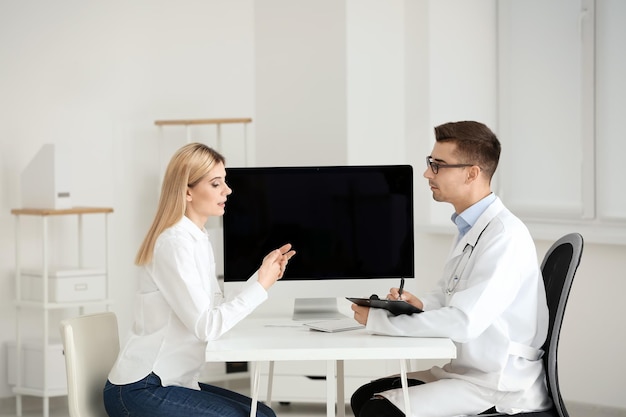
x: 96, y: 75
x: 376, y: 82
x: 300, y: 82
x: 462, y: 68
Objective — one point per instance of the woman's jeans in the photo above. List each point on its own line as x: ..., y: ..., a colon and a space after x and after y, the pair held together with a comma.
x: 147, y: 398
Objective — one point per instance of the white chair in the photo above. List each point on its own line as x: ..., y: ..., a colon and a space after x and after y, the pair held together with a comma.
x: 91, y: 344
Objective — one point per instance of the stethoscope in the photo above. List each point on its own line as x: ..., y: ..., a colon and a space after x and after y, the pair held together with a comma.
x: 461, y: 264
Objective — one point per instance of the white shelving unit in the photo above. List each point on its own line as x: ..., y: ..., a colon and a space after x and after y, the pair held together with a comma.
x: 51, y: 289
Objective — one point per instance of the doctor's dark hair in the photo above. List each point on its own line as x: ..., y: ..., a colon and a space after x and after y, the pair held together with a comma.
x: 187, y: 167
x: 475, y: 144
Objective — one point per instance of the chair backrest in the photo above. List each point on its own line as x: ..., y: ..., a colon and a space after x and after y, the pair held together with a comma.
x: 91, y: 344
x: 558, y: 268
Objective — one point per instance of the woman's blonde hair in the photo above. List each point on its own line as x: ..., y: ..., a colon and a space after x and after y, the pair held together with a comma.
x: 186, y: 168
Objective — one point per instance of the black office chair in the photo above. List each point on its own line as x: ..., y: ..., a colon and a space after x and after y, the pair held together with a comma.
x: 558, y: 268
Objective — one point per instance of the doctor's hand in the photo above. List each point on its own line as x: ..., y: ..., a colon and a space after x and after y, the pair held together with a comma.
x: 394, y: 294
x: 360, y: 313
x: 274, y: 264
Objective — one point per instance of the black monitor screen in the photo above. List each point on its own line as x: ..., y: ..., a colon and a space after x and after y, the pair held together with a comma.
x: 348, y: 222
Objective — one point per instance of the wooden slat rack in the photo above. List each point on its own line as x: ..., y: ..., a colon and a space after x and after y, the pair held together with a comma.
x: 187, y: 123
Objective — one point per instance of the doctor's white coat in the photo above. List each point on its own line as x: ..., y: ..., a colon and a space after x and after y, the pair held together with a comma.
x: 491, y: 302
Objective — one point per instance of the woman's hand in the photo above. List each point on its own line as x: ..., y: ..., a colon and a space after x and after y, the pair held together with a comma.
x: 274, y: 264
x: 394, y: 294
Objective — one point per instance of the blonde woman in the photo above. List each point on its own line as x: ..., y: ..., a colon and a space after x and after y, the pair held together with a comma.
x: 179, y: 305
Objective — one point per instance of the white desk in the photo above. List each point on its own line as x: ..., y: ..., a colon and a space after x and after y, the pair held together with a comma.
x: 271, y: 339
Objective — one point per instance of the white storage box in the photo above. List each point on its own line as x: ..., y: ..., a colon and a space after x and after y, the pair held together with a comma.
x: 32, y: 365
x: 65, y: 285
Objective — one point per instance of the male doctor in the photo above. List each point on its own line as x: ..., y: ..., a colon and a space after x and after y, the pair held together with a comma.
x: 490, y: 299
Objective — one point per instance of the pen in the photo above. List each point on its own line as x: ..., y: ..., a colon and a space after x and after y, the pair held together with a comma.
x: 401, y: 288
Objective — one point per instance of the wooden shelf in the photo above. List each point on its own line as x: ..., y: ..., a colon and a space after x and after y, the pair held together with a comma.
x: 59, y: 212
x: 186, y: 122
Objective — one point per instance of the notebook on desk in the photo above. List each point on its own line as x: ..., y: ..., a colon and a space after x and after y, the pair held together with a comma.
x: 336, y: 325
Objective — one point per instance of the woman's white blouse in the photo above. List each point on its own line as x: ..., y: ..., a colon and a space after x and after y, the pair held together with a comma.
x: 179, y: 306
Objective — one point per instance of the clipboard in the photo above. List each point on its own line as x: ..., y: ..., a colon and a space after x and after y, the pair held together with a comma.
x: 395, y: 307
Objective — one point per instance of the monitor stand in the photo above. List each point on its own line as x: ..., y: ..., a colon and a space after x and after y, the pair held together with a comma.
x: 316, y: 309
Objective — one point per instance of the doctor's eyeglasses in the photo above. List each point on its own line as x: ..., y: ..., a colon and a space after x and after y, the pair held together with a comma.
x: 434, y: 166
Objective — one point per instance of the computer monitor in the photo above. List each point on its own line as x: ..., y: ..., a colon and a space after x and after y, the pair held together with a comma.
x: 351, y: 226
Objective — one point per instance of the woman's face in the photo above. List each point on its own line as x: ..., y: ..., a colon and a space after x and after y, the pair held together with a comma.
x: 208, y: 196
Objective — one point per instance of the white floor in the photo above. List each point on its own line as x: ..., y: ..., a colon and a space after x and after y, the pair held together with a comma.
x: 58, y: 408
x: 32, y: 407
